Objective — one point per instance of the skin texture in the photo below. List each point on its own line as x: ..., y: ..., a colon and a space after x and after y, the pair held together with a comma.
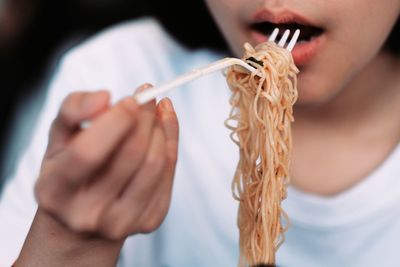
x: 94, y: 191
x: 101, y: 184
x: 348, y: 48
x: 348, y: 92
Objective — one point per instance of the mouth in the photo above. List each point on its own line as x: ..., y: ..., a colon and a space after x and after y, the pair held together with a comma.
x: 307, y: 33
x: 308, y: 43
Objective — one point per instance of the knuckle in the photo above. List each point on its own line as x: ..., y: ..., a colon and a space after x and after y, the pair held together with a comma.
x: 45, y: 198
x: 83, y: 223
x: 116, y: 233
x: 115, y: 225
x: 150, y: 225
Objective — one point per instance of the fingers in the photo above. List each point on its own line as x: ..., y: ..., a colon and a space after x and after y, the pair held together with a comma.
x: 145, y: 201
x: 88, y: 150
x: 157, y: 209
x: 170, y: 125
x: 131, y: 154
x: 115, y: 177
x: 84, y: 155
x: 76, y: 108
x: 144, y: 143
x: 139, y: 190
x: 152, y: 166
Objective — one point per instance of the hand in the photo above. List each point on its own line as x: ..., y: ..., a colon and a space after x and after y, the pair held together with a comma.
x: 113, y: 179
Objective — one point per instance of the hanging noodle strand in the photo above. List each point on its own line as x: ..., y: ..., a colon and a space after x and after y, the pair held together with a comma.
x: 260, y: 121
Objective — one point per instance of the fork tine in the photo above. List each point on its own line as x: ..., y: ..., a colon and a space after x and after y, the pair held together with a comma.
x: 292, y: 42
x: 274, y: 34
x: 284, y: 38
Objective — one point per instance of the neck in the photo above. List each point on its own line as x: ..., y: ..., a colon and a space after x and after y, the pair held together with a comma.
x: 372, y: 95
x: 338, y: 144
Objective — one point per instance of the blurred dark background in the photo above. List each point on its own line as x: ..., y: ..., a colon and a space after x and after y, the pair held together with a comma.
x: 35, y: 33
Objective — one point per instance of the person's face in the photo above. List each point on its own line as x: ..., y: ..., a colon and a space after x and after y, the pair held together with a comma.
x: 353, y: 32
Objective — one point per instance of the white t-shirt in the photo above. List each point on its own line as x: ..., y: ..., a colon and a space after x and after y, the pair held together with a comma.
x: 360, y: 227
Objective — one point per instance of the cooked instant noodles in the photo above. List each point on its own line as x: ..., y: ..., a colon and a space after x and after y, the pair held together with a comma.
x: 260, y: 120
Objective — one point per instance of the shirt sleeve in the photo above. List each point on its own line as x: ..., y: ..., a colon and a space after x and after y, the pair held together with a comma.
x: 18, y: 204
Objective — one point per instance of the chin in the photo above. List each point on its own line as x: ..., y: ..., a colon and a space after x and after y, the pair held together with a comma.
x: 313, y: 94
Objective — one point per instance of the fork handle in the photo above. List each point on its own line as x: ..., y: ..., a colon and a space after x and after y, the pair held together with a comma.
x: 152, y: 93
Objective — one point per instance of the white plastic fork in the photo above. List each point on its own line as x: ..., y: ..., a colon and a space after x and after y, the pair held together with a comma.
x: 152, y: 93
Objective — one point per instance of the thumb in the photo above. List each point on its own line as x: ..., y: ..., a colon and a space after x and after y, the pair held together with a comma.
x: 76, y: 107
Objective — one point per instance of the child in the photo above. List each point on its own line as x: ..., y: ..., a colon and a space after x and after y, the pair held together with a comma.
x: 99, y: 185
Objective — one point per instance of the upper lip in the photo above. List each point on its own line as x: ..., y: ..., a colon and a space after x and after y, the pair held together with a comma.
x: 282, y: 17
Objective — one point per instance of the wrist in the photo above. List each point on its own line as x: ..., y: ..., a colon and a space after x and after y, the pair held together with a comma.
x: 50, y: 243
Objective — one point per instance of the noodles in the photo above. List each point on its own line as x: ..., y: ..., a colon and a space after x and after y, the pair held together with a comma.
x: 260, y: 120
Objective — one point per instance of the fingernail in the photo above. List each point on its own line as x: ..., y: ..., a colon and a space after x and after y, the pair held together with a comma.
x: 166, y: 105
x: 143, y: 87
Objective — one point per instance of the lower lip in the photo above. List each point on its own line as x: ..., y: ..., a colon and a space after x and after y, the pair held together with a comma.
x: 302, y: 53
